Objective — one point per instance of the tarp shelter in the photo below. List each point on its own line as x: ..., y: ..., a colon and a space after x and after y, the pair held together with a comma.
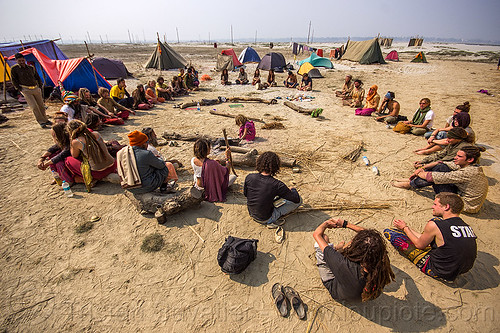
x: 224, y: 62
x: 47, y: 47
x: 230, y: 52
x: 364, y: 52
x: 273, y: 60
x: 4, y: 69
x: 73, y: 73
x: 248, y: 55
x: 420, y: 57
x: 393, y: 56
x: 164, y: 57
x: 111, y: 68
x: 317, y: 61
x: 310, y: 70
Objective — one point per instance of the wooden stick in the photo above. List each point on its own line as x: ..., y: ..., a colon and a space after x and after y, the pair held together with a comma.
x: 297, y: 108
x: 230, y: 157
x: 345, y: 206
x: 197, y: 234
x: 217, y: 113
x: 253, y: 99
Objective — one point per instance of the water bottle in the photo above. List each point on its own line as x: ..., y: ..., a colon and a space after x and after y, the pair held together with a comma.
x: 375, y: 170
x: 198, y: 106
x: 56, y: 177
x: 366, y: 160
x: 67, y: 189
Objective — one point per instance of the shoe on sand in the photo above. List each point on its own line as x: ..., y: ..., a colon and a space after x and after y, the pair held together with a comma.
x: 276, y: 224
x: 279, y: 235
x: 279, y: 299
x: 295, y: 301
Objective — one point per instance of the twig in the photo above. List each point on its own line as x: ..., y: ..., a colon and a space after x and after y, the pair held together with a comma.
x: 32, y: 306
x: 230, y: 157
x: 309, y: 327
x: 197, y: 234
x: 19, y: 147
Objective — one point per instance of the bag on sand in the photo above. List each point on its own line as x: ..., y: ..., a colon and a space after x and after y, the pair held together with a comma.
x: 236, y: 254
x: 402, y: 128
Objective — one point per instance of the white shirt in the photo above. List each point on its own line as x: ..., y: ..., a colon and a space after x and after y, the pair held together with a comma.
x: 197, y: 173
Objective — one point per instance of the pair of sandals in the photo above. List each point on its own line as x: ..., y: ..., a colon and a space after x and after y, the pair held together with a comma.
x: 316, y: 113
x: 282, y: 296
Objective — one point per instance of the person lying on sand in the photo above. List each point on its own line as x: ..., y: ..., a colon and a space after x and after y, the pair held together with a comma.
x: 447, y: 246
x: 389, y: 109
x: 346, y: 88
x: 261, y: 190
x: 358, y: 270
x: 463, y: 176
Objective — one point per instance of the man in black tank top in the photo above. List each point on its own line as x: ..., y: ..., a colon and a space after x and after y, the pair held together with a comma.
x: 446, y: 248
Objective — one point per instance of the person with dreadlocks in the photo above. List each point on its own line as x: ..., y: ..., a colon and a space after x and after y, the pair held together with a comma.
x: 92, y: 146
x: 55, y: 157
x: 358, y: 270
x: 262, y: 190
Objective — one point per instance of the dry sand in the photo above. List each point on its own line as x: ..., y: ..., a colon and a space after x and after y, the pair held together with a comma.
x: 55, y: 280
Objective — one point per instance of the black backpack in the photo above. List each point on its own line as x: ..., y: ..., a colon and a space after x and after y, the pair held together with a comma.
x: 236, y: 254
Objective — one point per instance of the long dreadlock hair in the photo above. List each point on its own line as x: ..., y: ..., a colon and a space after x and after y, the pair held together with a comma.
x: 368, y: 249
x: 77, y: 128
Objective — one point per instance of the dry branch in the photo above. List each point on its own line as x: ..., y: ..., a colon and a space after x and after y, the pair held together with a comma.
x: 354, y: 155
x: 298, y: 108
x: 223, y: 114
x: 253, y: 99
x: 345, y: 206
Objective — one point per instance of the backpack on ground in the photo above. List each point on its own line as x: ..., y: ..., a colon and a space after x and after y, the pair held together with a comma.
x: 236, y: 254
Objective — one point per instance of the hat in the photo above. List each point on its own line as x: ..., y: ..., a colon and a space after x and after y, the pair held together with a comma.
x: 390, y: 95
x: 457, y: 133
x: 137, y: 138
x: 18, y: 56
x: 69, y: 97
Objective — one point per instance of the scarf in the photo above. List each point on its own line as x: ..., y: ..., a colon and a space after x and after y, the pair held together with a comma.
x: 214, y: 178
x: 372, y: 93
x: 419, y: 116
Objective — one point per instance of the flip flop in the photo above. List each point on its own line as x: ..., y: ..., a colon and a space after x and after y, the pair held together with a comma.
x: 95, y: 219
x: 279, y: 235
x: 279, y: 299
x: 295, y: 301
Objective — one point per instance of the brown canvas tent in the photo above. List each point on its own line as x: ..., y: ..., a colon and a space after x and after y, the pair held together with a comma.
x: 224, y: 62
x: 364, y: 52
x: 164, y: 57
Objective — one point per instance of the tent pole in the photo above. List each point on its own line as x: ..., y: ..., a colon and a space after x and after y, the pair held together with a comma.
x: 89, y: 58
x: 4, y: 79
x: 54, y: 49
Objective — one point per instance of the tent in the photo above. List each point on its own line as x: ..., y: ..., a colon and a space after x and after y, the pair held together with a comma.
x: 273, y: 60
x: 420, y: 57
x: 164, y: 57
x: 317, y: 61
x: 364, y: 52
x: 230, y: 52
x: 4, y: 69
x: 224, y: 62
x: 111, y: 68
x: 393, y: 56
x: 47, y: 47
x: 73, y: 73
x: 310, y: 70
x: 248, y: 55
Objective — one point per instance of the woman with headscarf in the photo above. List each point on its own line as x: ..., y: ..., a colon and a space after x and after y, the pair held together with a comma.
x: 422, y: 119
x: 89, y: 145
x: 372, y: 101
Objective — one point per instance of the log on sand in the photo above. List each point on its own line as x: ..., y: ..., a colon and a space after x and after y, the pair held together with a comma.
x: 217, y: 113
x: 171, y: 203
x: 298, y: 108
x: 186, y: 137
x: 253, y: 99
x: 250, y: 159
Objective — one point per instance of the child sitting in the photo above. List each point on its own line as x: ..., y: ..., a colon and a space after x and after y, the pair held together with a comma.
x: 247, y: 128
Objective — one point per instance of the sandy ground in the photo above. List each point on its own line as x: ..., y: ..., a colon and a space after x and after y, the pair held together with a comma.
x: 53, y: 279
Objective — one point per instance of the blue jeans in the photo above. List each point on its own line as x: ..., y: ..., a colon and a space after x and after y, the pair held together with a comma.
x: 286, y: 208
x: 418, y: 182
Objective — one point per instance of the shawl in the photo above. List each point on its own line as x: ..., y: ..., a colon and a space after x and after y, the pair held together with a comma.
x: 419, y: 116
x: 127, y: 168
x: 372, y: 94
x: 214, y: 179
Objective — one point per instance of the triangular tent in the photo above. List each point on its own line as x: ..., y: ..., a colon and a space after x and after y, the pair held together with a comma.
x: 273, y: 60
x: 164, y: 57
x: 248, y: 55
x: 392, y: 56
x: 420, y: 57
x: 230, y: 52
x: 111, y: 68
x: 310, y: 70
x: 73, y: 73
x: 224, y: 62
x: 317, y: 61
x: 47, y: 47
x: 4, y: 69
x: 364, y: 52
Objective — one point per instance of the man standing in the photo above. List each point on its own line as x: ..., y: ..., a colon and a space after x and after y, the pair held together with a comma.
x: 28, y: 82
x: 446, y: 248
x: 463, y: 176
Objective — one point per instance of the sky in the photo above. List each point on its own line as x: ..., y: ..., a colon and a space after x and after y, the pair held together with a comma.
x: 199, y: 20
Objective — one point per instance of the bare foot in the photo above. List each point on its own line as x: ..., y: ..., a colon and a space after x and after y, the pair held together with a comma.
x: 405, y: 185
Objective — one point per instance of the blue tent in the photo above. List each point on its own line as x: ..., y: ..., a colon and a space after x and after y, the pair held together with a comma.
x: 249, y: 55
x: 47, y: 47
x: 317, y: 61
x: 73, y: 73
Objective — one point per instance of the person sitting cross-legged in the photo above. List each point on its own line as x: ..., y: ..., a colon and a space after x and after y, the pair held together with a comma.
x: 261, y: 190
x: 447, y: 246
